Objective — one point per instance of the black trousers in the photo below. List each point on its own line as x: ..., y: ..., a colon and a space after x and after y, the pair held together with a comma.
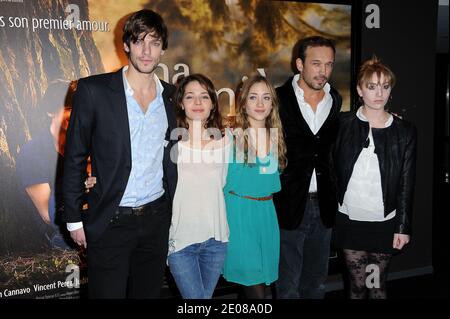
x: 129, y: 259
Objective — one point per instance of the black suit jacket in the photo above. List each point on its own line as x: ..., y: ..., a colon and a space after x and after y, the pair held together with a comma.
x: 99, y: 128
x: 306, y: 151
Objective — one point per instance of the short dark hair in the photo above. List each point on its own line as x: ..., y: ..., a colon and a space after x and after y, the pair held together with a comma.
x: 147, y: 21
x: 314, y: 41
x: 215, y: 119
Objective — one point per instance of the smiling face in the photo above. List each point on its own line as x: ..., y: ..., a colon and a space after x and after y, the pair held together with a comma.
x: 375, y: 93
x: 145, y: 53
x: 316, y: 69
x: 258, y: 103
x: 196, y: 102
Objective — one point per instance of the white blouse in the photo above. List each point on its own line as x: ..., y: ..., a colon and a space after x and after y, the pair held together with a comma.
x: 198, y: 212
x: 363, y: 200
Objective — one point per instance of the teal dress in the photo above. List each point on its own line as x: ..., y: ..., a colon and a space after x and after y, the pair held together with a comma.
x: 254, y: 242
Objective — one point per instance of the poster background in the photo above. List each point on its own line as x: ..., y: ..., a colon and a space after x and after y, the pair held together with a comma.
x: 225, y: 40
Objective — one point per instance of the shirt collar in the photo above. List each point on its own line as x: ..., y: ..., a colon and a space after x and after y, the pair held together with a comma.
x: 129, y: 90
x: 299, y: 91
x: 361, y: 116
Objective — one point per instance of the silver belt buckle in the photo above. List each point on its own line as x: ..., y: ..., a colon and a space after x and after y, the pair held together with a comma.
x: 139, y: 211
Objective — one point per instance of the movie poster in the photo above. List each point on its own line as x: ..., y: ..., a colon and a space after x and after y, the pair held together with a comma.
x: 46, y: 45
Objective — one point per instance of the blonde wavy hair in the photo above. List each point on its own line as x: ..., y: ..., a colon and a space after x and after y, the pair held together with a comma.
x: 273, y: 120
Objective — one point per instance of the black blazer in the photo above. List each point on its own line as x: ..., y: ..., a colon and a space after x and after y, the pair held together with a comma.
x: 306, y: 151
x: 99, y: 128
x: 395, y: 147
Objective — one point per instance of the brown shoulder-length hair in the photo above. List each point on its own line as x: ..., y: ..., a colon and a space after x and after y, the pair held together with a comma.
x: 215, y: 119
x: 272, y: 121
x: 374, y: 66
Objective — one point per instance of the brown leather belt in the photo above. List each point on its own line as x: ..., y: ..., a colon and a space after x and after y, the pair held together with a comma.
x: 252, y: 198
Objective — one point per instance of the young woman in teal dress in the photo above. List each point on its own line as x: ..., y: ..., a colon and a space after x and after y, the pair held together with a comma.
x: 253, y: 176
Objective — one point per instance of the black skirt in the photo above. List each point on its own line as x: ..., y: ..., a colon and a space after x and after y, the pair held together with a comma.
x: 374, y: 237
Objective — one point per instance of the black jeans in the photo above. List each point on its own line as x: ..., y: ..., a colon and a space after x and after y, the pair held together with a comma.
x: 304, y: 257
x: 129, y: 259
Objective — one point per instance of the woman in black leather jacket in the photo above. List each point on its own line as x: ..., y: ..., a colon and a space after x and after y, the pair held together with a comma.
x: 375, y: 157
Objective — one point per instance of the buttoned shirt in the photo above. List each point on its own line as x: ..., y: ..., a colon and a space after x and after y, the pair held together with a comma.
x: 147, y: 135
x: 314, y: 120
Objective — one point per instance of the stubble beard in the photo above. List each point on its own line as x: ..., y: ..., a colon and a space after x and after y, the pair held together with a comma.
x: 316, y: 86
x: 135, y: 64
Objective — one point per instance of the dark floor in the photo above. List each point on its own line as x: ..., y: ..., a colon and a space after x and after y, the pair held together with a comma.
x: 422, y: 287
x: 432, y: 286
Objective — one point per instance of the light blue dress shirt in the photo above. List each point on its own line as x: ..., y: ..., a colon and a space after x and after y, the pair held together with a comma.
x: 147, y: 134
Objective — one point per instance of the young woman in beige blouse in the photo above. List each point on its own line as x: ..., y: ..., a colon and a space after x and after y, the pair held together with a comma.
x: 198, y: 234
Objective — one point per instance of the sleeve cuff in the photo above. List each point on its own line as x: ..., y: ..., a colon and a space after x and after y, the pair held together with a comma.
x: 74, y: 226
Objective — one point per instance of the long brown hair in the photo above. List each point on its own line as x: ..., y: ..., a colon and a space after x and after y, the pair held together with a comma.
x: 272, y: 121
x: 214, y: 119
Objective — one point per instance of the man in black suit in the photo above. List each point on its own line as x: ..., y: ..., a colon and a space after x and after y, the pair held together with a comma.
x: 122, y: 121
x: 307, y: 203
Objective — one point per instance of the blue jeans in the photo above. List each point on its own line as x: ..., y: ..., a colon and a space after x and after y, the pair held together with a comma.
x: 197, y: 268
x: 304, y: 257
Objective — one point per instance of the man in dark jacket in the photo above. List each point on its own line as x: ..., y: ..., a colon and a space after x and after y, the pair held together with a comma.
x: 307, y: 203
x: 122, y: 120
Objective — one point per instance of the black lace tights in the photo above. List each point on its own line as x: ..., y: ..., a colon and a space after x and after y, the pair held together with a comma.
x: 367, y: 273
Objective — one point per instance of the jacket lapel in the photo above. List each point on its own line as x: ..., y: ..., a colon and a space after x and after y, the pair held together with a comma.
x: 119, y: 105
x: 294, y: 109
x: 169, y: 107
x: 334, y: 111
